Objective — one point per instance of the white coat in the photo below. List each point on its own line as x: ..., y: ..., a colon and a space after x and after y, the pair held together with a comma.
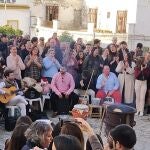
x: 127, y: 81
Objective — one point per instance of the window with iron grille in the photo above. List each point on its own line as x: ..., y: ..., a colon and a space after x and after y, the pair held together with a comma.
x: 92, y: 16
x: 51, y: 13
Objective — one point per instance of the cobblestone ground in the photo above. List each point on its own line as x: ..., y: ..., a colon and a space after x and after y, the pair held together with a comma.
x: 142, y: 129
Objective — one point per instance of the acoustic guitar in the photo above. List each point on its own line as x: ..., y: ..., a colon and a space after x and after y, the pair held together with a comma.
x: 9, y: 94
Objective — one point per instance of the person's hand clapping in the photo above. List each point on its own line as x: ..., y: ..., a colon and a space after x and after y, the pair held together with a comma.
x: 81, y: 83
x: 17, y: 60
x: 35, y: 60
x: 54, y: 60
x: 126, y: 64
x: 31, y: 59
x: 110, y: 93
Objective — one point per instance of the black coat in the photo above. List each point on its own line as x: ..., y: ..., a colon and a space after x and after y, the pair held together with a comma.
x: 120, y: 53
x: 23, y: 54
x: 93, y: 63
x: 4, y: 50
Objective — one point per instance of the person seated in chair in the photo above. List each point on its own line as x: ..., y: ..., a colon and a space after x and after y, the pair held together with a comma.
x: 108, y: 85
x: 17, y: 100
x: 85, y: 84
x: 63, y: 98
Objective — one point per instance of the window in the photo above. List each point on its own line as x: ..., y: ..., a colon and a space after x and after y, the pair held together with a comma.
x: 108, y: 15
x: 51, y: 13
x: 7, y: 1
x: 92, y: 16
x: 13, y: 23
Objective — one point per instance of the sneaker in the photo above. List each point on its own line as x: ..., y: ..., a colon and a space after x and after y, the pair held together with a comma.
x: 137, y: 113
x: 141, y: 114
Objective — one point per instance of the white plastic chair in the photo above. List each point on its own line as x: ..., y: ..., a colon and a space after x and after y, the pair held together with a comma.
x: 44, y: 97
x: 12, y: 110
x: 36, y: 100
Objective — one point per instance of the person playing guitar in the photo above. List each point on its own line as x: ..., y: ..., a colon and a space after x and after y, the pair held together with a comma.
x: 7, y: 90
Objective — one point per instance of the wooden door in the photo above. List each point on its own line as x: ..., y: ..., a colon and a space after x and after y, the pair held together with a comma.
x: 92, y: 16
x: 121, y: 22
x: 51, y: 13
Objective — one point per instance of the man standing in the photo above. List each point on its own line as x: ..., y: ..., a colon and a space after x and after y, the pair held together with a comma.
x: 123, y: 50
x: 97, y: 44
x: 108, y: 85
x: 63, y: 98
x: 3, y: 46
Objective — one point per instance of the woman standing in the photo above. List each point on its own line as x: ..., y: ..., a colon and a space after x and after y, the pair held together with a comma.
x: 71, y: 64
x: 125, y: 69
x: 113, y: 64
x: 15, y: 63
x: 142, y: 74
x: 33, y: 64
x: 80, y: 59
x: 93, y: 64
x: 50, y: 65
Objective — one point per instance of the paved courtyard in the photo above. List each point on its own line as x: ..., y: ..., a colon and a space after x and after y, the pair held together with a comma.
x: 142, y: 129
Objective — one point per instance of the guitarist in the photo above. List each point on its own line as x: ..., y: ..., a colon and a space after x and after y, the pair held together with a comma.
x: 18, y: 100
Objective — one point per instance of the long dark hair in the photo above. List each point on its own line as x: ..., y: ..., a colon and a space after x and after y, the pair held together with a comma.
x: 73, y: 129
x: 24, y: 119
x: 129, y: 59
x: 18, y: 139
x: 67, y: 142
x: 33, y: 49
x: 78, y: 56
x: 92, y: 51
x: 139, y: 61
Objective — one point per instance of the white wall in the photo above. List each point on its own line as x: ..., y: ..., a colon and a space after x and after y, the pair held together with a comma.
x: 66, y: 17
x: 25, y: 2
x: 23, y: 17
x: 38, y: 10
x: 142, y: 26
x: 66, y: 14
x: 112, y: 6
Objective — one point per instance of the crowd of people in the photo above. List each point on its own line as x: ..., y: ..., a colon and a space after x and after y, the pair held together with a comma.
x: 64, y: 70
x: 114, y: 71
x: 66, y: 135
